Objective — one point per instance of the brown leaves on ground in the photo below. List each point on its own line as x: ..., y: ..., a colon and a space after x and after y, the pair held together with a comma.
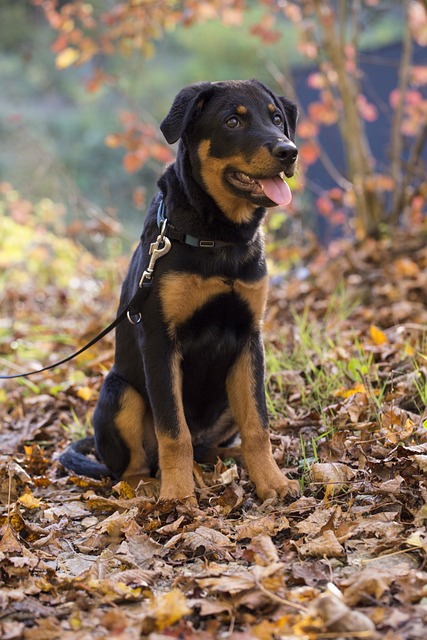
x: 82, y: 559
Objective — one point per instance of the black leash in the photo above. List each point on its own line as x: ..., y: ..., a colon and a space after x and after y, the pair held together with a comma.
x: 73, y: 355
x: 132, y: 311
x: 129, y: 312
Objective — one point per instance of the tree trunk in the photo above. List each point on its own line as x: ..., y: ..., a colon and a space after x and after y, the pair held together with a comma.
x: 359, y: 158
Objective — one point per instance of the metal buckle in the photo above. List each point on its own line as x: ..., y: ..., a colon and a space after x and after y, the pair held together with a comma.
x: 207, y: 244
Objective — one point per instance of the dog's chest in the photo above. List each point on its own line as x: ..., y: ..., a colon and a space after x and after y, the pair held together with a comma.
x: 185, y: 296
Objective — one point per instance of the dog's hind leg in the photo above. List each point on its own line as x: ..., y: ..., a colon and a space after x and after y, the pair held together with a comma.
x: 245, y: 388
x: 122, y: 422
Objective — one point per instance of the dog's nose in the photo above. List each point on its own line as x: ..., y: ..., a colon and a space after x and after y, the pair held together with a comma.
x: 285, y: 151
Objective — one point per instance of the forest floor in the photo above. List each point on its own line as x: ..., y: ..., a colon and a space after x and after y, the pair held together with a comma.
x: 347, y: 389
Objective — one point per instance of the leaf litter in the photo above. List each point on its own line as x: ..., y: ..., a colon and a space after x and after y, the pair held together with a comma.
x: 347, y: 389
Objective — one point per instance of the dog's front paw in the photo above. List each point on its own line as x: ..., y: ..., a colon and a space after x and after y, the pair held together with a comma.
x: 279, y: 487
x: 178, y: 490
x: 189, y: 500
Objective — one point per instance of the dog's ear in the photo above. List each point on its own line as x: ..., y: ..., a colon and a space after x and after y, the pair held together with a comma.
x: 188, y: 101
x: 291, y: 111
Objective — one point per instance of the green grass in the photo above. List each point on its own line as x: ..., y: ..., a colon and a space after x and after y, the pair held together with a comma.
x: 77, y: 429
x: 305, y: 366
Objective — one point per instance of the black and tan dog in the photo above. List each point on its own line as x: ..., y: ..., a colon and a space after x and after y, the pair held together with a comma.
x: 191, y: 373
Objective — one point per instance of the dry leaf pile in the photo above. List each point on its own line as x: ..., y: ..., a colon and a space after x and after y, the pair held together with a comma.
x: 83, y: 560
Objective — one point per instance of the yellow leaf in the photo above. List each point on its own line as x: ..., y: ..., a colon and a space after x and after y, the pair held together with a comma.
x: 377, y: 336
x: 409, y: 350
x: 75, y: 621
x: 346, y: 393
x: 28, y: 500
x: 66, y: 58
x: 124, y: 490
x: 168, y: 608
x: 85, y: 393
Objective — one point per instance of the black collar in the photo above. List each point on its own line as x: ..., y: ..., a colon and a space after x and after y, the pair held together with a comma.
x: 174, y: 234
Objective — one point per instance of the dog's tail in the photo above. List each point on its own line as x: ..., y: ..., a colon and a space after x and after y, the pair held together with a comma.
x: 76, y: 458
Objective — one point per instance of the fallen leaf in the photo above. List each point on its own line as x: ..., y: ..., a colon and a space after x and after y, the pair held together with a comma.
x: 316, y: 521
x: 325, y: 545
x: 9, y: 542
x: 421, y: 461
x: 332, y: 612
x: 378, y: 337
x: 263, y: 550
x: 369, y: 584
x: 235, y: 583
x: 85, y: 393
x: 333, y: 474
x: 208, y: 539
x: 28, y: 500
x: 253, y: 527
x: 168, y: 608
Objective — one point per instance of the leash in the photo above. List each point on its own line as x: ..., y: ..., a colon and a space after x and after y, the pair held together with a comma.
x: 158, y: 249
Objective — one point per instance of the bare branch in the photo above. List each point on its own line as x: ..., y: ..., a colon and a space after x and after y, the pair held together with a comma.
x: 411, y: 170
x: 396, y: 135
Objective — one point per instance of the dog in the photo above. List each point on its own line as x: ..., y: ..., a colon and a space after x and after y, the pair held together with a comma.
x: 188, y: 372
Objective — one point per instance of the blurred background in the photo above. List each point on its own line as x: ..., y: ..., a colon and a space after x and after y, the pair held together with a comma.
x: 84, y: 87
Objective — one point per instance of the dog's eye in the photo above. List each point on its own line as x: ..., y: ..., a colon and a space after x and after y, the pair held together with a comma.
x: 277, y: 119
x: 232, y: 122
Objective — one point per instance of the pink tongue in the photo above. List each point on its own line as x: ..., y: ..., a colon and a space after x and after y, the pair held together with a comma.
x: 277, y: 190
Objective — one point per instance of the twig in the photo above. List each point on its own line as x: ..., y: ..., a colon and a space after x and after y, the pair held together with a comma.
x: 9, y: 492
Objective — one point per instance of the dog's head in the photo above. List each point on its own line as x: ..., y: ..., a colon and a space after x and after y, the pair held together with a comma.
x: 240, y: 140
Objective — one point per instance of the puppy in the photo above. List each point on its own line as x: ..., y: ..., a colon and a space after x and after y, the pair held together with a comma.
x: 188, y: 372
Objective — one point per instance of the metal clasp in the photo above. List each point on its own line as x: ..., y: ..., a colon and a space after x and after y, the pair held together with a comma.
x: 157, y: 249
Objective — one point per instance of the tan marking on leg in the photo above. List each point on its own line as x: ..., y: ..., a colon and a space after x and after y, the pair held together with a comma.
x: 130, y: 424
x: 255, y: 295
x: 182, y: 294
x: 176, y: 465
x: 176, y: 454
x: 269, y: 481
